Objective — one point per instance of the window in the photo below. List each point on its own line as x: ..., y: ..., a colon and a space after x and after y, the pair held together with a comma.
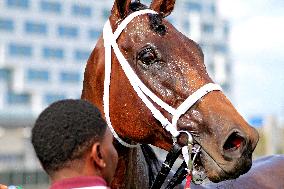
x: 20, y: 50
x: 68, y: 31
x: 94, y: 34
x: 18, y: 3
x: 171, y: 19
x: 212, y: 8
x: 37, y: 75
x: 56, y: 53
x: 50, y: 97
x: 14, y: 98
x: 51, y: 6
x: 226, y: 28
x: 192, y: 6
x: 5, y: 74
x: 106, y: 13
x: 35, y: 28
x: 208, y: 28
x: 81, y: 55
x: 6, y: 24
x: 70, y: 77
x: 221, y: 48
x: 80, y: 10
x: 186, y: 26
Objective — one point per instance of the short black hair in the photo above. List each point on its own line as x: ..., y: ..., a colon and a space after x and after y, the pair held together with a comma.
x: 65, y: 131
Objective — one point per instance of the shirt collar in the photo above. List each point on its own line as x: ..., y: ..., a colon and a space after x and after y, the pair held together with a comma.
x: 79, y: 182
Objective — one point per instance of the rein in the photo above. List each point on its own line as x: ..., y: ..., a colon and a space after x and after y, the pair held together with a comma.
x: 145, y: 93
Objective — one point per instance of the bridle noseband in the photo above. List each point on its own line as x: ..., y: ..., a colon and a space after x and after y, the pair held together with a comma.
x: 143, y: 91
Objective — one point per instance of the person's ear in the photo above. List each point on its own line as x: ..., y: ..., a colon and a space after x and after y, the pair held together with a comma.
x: 97, y: 155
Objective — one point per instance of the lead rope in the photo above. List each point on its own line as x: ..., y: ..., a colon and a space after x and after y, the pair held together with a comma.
x: 190, y: 167
x: 188, y: 181
x: 186, y: 152
x: 189, y: 174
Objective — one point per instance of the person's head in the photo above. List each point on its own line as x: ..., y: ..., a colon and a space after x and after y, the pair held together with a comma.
x: 70, y: 136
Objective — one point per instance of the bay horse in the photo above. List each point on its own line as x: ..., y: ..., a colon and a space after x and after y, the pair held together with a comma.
x: 170, y: 66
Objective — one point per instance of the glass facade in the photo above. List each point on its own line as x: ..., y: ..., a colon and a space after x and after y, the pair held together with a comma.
x: 52, y: 97
x: 94, y: 34
x: 16, y: 49
x: 193, y: 6
x: 51, y: 6
x: 6, y: 24
x: 80, y: 10
x: 70, y: 77
x: 208, y: 28
x: 52, y: 53
x: 68, y: 31
x: 18, y: 99
x: 221, y: 48
x: 81, y: 55
x: 18, y: 3
x: 37, y: 75
x: 5, y: 74
x: 35, y: 28
x: 212, y: 8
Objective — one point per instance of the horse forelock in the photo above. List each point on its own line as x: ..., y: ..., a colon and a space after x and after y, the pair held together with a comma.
x: 137, y: 6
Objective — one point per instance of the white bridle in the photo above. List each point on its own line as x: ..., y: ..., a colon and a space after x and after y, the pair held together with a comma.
x: 142, y: 91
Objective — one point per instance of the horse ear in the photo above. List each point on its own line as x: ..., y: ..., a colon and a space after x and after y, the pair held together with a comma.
x: 120, y: 8
x: 165, y: 7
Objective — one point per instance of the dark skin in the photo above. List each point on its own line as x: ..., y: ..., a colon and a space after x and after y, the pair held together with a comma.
x: 100, y: 161
x: 171, y: 66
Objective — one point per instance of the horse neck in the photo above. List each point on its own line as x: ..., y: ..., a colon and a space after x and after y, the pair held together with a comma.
x: 94, y: 76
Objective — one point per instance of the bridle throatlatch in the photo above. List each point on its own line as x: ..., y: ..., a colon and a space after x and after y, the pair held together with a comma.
x: 143, y: 92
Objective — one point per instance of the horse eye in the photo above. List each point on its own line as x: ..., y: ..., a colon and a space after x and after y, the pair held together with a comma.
x: 161, y: 29
x: 147, y: 56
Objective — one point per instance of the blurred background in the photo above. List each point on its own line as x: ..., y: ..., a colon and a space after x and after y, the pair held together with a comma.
x: 44, y: 45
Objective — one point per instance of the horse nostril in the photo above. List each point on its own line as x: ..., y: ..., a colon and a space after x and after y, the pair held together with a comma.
x: 234, y: 143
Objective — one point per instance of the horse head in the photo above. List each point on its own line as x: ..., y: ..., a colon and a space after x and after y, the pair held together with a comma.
x: 172, y: 67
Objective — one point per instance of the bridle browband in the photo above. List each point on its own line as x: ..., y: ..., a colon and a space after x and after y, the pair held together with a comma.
x: 143, y: 91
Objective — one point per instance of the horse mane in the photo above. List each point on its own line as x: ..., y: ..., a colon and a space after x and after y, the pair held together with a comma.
x: 153, y: 163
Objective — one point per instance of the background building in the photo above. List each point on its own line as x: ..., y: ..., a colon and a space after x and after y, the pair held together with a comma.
x: 44, y: 45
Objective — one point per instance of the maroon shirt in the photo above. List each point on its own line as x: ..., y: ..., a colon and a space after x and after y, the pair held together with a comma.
x: 88, y: 182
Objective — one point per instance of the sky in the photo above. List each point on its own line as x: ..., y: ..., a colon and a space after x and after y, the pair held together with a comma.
x: 257, y: 49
